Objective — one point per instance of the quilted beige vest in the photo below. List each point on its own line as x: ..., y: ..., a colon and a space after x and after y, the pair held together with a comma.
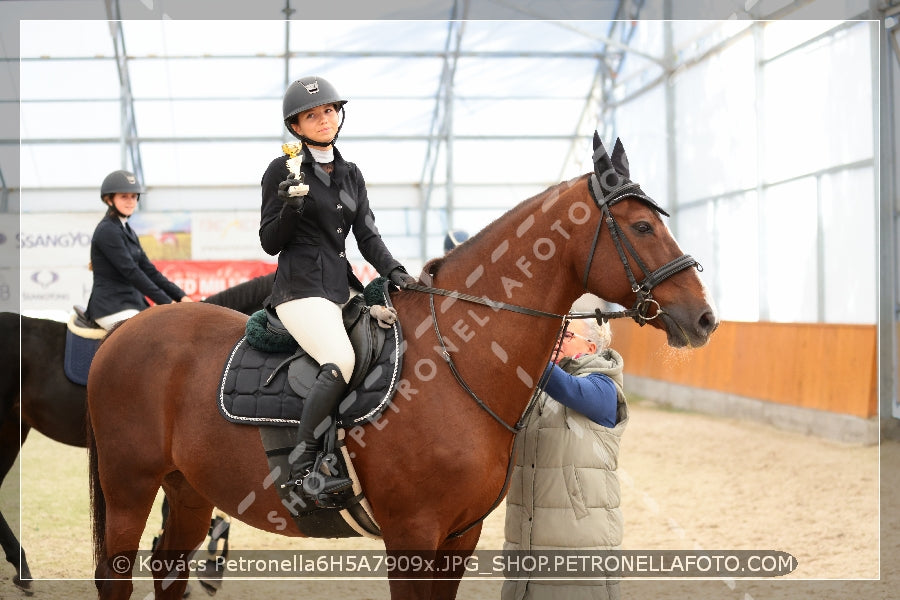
x: 564, y: 493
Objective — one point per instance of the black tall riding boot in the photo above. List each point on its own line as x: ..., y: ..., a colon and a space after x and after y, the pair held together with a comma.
x: 318, y: 410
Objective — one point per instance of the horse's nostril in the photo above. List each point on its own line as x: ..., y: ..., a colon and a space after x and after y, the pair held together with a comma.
x: 708, y: 322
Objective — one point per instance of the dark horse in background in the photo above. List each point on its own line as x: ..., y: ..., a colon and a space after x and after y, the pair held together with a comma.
x: 52, y: 404
x: 437, y: 464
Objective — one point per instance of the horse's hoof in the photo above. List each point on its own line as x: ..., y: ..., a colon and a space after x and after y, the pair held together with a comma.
x: 26, y: 586
x: 209, y: 589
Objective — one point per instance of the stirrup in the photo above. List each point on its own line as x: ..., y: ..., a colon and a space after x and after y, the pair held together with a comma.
x: 317, y: 481
x: 316, y: 484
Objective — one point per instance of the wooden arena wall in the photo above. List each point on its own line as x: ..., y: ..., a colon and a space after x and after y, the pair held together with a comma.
x: 809, y: 365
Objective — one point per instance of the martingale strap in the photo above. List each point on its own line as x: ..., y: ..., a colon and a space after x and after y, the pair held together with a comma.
x: 445, y: 353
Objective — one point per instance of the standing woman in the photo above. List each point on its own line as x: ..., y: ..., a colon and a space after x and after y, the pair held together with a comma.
x: 314, y: 278
x: 123, y: 275
x: 564, y: 492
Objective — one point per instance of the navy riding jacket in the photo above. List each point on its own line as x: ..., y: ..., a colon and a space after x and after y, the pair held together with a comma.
x: 123, y: 275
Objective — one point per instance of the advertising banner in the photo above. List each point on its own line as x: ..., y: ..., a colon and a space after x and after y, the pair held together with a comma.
x: 55, y: 288
x: 200, y: 279
x: 56, y: 240
x: 9, y: 289
x: 9, y: 240
x: 164, y: 236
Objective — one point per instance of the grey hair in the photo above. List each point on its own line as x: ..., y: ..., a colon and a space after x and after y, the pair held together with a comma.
x: 599, y: 334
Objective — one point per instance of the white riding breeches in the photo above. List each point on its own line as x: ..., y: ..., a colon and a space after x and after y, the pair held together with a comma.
x: 109, y: 320
x: 318, y: 326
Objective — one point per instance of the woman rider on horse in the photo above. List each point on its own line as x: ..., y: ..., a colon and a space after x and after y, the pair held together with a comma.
x: 123, y: 275
x: 313, y: 279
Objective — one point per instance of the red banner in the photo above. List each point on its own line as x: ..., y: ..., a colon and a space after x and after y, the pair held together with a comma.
x: 202, y: 278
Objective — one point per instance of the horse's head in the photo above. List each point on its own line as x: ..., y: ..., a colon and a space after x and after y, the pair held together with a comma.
x: 655, y: 277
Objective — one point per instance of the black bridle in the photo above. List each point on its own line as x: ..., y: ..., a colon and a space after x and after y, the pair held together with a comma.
x: 605, y: 198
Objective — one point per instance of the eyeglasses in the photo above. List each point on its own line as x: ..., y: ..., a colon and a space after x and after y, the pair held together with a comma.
x: 569, y: 335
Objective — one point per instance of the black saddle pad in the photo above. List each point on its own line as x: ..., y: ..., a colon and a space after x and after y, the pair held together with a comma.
x: 255, y: 387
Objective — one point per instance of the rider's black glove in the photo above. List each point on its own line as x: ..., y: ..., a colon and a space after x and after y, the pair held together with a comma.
x: 295, y: 202
x: 401, y: 278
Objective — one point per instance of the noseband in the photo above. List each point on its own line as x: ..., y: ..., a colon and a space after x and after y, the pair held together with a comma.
x: 644, y: 301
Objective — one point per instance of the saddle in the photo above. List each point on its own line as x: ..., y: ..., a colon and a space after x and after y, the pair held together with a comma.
x: 82, y: 339
x: 268, y: 375
x: 366, y: 337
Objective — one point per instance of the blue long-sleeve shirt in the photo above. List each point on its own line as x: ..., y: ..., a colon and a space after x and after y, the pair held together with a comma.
x: 592, y: 395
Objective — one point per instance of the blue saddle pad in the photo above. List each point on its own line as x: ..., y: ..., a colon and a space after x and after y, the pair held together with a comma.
x: 78, y: 357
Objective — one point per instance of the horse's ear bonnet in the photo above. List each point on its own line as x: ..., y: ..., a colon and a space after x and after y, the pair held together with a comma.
x: 620, y: 160
x: 611, y: 180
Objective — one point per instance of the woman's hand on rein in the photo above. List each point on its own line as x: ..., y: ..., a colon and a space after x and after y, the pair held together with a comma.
x: 401, y: 278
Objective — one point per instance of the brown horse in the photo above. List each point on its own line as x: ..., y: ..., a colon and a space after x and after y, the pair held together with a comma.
x: 436, y: 465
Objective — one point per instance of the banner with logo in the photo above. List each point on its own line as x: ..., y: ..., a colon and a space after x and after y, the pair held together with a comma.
x: 164, y: 236
x: 55, y: 288
x: 200, y: 279
x: 56, y: 240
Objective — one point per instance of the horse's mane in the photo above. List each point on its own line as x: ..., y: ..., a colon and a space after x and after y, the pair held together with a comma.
x: 432, y: 266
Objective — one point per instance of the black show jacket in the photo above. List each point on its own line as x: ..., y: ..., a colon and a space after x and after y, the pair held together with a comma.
x: 311, y: 247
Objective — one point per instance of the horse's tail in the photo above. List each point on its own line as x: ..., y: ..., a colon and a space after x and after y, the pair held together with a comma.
x: 98, y: 500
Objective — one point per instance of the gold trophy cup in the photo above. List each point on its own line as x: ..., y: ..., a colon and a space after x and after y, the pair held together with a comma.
x: 295, y: 152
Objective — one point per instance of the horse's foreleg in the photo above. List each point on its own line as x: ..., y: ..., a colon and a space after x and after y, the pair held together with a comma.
x: 9, y: 449
x: 451, y: 558
x: 184, y: 529
x: 429, y: 567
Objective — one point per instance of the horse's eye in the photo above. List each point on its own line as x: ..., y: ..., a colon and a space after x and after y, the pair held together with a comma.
x: 642, y: 227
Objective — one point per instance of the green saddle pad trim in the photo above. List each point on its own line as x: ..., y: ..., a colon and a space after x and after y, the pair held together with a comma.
x: 374, y: 292
x: 260, y: 337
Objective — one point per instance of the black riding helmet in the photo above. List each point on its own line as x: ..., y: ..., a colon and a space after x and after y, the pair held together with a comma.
x: 119, y: 182
x: 310, y: 92
x: 454, y: 238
